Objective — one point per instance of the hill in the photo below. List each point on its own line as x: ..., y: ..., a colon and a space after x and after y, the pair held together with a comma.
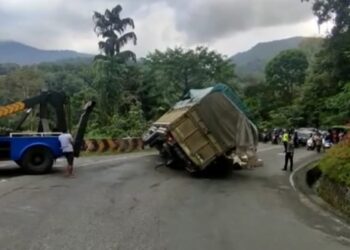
x: 18, y: 53
x: 252, y: 62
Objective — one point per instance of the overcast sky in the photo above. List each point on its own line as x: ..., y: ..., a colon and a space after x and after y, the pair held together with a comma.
x: 228, y: 26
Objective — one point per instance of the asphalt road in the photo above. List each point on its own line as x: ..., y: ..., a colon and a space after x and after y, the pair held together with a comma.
x: 128, y: 203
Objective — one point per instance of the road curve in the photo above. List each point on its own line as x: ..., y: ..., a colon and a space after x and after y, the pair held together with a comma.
x: 130, y: 203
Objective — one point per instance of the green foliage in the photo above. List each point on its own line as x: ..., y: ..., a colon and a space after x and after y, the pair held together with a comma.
x: 274, y: 102
x: 260, y: 100
x: 336, y: 163
x: 332, y: 10
x: 6, y: 68
x: 111, y: 68
x: 177, y: 70
x: 324, y: 96
x: 340, y: 105
x: 311, y: 46
x: 298, y: 94
x: 132, y: 124
x: 113, y: 29
x: 129, y: 95
x: 20, y: 84
x: 250, y: 65
x: 285, y: 73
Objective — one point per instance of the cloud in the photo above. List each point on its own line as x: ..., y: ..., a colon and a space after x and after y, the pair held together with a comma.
x: 156, y: 29
x: 61, y: 24
x: 206, y: 20
x: 245, y: 40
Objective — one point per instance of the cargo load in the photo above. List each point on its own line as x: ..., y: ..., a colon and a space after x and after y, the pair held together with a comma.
x: 208, y: 126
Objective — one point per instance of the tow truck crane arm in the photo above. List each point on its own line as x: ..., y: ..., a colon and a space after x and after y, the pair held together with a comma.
x: 79, y: 136
x: 56, y: 99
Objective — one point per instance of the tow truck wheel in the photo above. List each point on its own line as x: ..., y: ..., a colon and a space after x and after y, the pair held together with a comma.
x: 37, y: 160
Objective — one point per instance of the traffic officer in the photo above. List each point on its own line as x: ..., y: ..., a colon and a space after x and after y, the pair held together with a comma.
x: 289, y: 155
x: 285, y: 139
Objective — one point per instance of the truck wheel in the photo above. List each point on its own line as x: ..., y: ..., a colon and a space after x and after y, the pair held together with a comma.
x: 190, y: 168
x: 37, y: 160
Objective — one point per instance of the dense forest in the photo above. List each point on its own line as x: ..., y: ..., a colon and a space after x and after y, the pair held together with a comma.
x: 302, y: 87
x: 300, y: 90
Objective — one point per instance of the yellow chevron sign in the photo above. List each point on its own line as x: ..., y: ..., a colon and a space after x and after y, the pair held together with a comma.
x: 113, y: 145
x: 11, y: 109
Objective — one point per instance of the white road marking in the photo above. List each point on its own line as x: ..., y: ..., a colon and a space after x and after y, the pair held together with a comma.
x: 307, y: 202
x: 291, y: 178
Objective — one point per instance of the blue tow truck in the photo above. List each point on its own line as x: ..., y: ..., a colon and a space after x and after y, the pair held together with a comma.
x: 36, y: 152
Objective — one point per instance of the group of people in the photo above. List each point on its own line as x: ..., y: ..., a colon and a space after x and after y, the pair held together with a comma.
x: 316, y: 141
x: 325, y: 140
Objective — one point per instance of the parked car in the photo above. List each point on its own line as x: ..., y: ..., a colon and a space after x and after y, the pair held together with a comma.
x: 303, y: 136
x: 265, y: 136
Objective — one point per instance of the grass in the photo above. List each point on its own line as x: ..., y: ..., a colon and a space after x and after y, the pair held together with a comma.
x: 336, y: 163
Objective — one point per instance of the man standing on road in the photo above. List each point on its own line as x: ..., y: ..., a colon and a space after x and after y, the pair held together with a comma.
x: 66, y: 141
x: 289, y: 155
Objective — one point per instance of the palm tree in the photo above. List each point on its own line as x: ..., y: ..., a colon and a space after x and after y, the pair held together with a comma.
x: 112, y: 28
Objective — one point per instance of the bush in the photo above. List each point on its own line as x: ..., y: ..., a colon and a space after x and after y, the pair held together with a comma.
x: 336, y: 164
x: 132, y: 124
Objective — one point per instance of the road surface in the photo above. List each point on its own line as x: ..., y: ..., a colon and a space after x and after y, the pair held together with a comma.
x: 127, y: 202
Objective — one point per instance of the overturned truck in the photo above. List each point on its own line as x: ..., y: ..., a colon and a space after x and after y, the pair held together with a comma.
x: 207, y: 128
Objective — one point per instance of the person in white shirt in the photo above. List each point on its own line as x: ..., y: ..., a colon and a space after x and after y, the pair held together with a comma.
x: 66, y: 141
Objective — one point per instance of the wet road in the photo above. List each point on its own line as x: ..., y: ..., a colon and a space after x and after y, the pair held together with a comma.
x: 128, y: 203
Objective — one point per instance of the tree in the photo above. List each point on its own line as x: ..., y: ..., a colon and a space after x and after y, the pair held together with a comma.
x: 113, y: 28
x: 335, y: 56
x: 194, y: 68
x: 169, y: 75
x: 6, y: 68
x: 332, y: 10
x: 322, y: 101
x: 260, y: 101
x: 285, y: 73
x: 110, y: 67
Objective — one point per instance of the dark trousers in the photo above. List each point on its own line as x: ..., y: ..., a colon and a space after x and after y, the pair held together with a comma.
x: 288, y: 157
x: 285, y: 146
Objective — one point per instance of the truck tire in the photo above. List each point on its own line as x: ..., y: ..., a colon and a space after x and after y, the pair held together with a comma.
x: 37, y: 160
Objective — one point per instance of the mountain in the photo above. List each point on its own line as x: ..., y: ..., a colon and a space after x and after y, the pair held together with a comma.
x: 19, y: 53
x: 252, y: 62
